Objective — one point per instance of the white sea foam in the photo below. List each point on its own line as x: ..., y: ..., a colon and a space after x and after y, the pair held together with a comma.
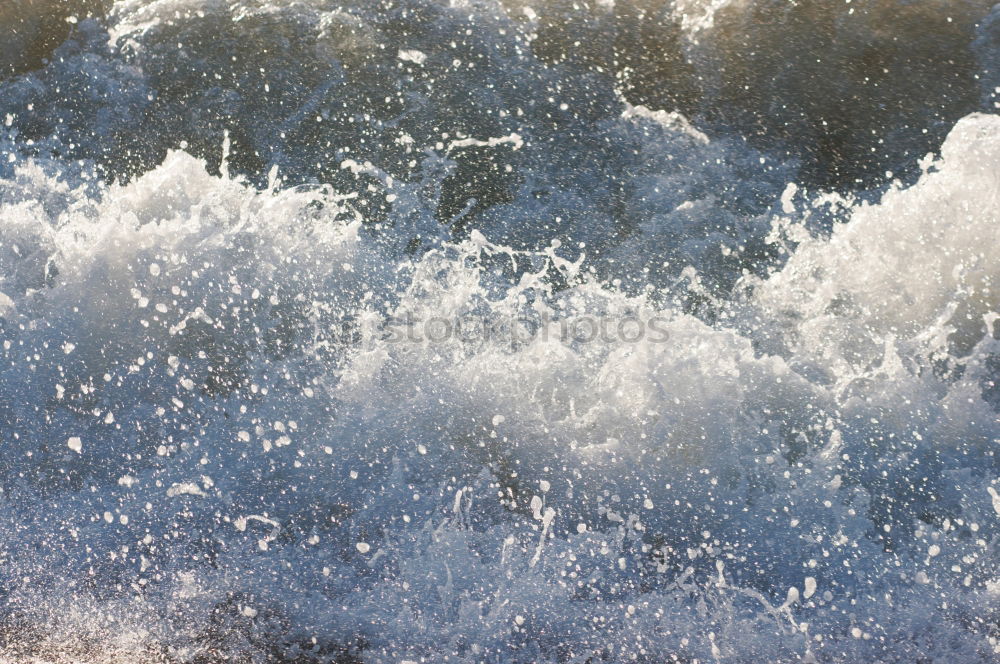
x: 238, y: 457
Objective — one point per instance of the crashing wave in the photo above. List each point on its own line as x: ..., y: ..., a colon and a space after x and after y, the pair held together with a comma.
x: 341, y: 332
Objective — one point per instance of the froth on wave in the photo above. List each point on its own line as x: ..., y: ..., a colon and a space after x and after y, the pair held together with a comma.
x: 213, y: 450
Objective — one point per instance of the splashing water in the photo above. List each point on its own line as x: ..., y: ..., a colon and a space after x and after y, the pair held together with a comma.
x: 400, y: 332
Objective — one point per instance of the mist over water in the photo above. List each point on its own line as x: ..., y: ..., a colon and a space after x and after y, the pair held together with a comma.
x: 737, y: 260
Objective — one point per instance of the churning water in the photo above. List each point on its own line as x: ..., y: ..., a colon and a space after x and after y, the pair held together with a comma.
x: 479, y: 331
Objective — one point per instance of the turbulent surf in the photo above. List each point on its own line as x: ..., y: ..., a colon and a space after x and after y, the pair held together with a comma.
x: 499, y: 331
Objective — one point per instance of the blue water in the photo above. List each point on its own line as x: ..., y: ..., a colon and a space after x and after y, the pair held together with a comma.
x: 499, y: 332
